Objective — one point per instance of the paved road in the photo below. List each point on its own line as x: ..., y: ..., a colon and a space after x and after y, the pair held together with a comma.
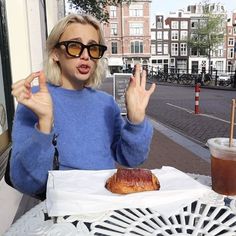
x: 174, y: 107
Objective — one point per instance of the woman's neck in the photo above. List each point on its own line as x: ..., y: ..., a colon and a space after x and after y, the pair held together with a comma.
x: 72, y: 85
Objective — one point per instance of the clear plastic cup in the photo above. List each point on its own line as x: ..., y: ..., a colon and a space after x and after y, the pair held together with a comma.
x: 223, y: 165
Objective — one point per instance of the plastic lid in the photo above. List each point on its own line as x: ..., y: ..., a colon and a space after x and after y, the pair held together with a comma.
x: 219, y: 147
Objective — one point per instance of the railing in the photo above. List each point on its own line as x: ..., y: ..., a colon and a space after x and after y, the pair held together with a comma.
x: 176, y: 76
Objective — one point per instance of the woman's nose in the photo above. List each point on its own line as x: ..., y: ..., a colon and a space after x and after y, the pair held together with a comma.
x: 85, y: 54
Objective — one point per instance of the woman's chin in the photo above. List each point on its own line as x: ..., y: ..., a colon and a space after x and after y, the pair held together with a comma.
x: 83, y: 77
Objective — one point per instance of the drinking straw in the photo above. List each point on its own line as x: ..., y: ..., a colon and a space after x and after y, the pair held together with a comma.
x: 232, y: 123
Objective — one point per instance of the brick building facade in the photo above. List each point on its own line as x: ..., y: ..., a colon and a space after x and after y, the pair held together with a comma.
x: 169, y: 42
x: 230, y: 43
x: 128, y: 36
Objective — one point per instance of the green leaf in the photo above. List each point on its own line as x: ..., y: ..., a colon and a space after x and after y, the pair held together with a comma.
x: 97, y: 8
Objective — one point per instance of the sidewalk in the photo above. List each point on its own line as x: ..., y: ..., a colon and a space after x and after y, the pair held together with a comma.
x: 171, y: 149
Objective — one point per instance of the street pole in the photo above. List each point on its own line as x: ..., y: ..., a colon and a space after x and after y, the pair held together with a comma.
x: 197, y: 92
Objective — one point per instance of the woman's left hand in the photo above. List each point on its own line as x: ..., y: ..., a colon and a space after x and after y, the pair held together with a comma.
x: 137, y: 97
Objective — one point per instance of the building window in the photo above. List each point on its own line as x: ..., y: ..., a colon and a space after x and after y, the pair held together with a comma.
x: 183, y: 49
x: 194, y: 52
x: 136, y: 28
x: 159, y: 35
x: 165, y: 49
x: 153, y: 49
x: 219, y: 65
x: 174, y: 24
x: 230, y: 52
x: 137, y: 47
x: 159, y: 48
x: 174, y: 35
x: 113, y: 29
x: 202, y: 51
x: 153, y: 35
x: 183, y: 35
x: 231, y: 42
x: 136, y: 10
x: 182, y: 66
x: 112, y: 11
x: 218, y: 52
x: 194, y: 24
x: 174, y: 49
x: 114, y: 48
x: 184, y: 24
x: 234, y: 30
x: 166, y: 35
x: 159, y: 22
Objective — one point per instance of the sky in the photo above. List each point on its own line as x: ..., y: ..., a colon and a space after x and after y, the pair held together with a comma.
x: 164, y: 7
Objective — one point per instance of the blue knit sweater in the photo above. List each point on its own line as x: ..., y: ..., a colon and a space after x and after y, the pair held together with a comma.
x: 92, y: 135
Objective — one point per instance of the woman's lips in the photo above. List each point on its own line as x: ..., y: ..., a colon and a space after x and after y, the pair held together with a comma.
x: 83, y: 69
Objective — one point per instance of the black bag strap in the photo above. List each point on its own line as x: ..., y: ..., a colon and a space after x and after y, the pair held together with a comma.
x: 7, y: 171
x: 56, y: 166
x: 56, y: 163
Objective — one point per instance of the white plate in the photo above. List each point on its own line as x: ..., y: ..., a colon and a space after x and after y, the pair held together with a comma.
x: 195, y: 219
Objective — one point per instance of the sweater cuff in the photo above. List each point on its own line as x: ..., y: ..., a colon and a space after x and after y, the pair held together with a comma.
x: 133, y: 127
x: 42, y: 138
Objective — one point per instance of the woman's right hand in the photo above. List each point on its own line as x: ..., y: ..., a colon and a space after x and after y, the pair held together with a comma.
x: 40, y: 102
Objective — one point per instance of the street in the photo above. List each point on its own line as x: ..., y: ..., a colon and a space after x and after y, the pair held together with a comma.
x: 173, y: 106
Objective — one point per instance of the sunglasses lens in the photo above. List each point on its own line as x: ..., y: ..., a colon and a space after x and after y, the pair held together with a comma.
x: 74, y: 49
x: 95, y: 51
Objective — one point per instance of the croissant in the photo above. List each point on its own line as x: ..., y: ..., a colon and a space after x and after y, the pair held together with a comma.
x: 132, y: 180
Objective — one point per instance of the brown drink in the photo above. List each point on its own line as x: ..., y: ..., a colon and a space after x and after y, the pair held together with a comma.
x: 223, y: 165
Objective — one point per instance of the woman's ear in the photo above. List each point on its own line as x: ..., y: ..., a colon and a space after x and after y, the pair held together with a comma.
x: 55, y: 55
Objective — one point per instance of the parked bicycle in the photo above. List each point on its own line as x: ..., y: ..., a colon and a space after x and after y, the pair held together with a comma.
x: 187, y: 79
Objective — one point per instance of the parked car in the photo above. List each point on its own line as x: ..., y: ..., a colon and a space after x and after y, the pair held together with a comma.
x: 224, y: 79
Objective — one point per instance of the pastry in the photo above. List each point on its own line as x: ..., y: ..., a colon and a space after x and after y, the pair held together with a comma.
x: 132, y: 180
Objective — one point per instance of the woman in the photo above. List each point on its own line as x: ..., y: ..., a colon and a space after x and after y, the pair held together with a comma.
x: 91, y: 134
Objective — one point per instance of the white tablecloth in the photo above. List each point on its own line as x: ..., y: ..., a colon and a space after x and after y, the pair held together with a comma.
x: 34, y: 223
x: 82, y: 192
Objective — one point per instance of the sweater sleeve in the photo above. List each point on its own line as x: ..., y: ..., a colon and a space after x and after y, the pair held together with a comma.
x: 32, y: 153
x: 131, y: 141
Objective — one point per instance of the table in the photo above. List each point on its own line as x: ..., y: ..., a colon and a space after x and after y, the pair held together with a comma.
x: 36, y: 221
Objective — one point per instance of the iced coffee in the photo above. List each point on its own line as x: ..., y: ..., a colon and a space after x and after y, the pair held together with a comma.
x: 223, y: 165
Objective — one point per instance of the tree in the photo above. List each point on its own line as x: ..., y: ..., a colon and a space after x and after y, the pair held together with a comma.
x: 96, y: 8
x: 209, y: 32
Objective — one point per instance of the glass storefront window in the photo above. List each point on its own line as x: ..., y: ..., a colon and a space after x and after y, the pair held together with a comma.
x: 3, y: 115
x: 6, y: 100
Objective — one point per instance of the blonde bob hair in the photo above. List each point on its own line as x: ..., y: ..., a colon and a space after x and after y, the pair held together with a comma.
x: 52, y: 68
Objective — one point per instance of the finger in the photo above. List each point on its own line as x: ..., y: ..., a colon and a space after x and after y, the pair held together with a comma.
x: 137, y: 74
x: 18, y: 84
x: 132, y: 80
x: 30, y: 78
x: 143, y: 80
x: 22, y: 98
x: 152, y: 88
x: 21, y: 90
x: 42, y: 82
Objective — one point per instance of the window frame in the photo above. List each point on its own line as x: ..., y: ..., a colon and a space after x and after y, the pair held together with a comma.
x: 134, y: 46
x: 112, y: 47
x: 174, y: 49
